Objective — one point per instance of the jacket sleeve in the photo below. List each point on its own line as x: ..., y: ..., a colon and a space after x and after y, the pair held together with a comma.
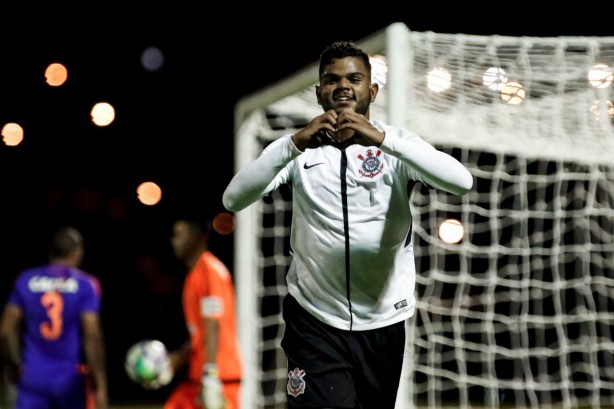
x: 433, y: 167
x: 261, y: 176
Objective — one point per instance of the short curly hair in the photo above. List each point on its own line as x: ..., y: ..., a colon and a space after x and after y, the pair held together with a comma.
x: 342, y: 49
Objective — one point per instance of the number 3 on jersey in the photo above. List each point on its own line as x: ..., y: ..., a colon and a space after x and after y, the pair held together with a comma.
x: 54, y: 305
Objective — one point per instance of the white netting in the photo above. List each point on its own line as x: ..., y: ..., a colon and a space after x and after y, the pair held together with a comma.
x: 521, y: 312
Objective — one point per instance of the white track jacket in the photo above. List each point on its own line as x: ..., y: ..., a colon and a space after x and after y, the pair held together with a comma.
x: 353, y: 261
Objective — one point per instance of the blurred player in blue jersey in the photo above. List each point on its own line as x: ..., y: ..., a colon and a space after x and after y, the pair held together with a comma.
x: 51, y: 334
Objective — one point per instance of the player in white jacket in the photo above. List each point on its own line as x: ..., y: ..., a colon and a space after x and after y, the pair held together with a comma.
x: 352, y: 278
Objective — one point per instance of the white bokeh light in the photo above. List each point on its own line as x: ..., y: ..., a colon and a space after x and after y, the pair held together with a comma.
x: 103, y: 113
x: 451, y: 231
x: 152, y: 59
x: 494, y: 78
x: 439, y: 79
x: 600, y: 76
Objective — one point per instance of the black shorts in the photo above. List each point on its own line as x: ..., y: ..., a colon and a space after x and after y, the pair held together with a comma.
x: 333, y: 368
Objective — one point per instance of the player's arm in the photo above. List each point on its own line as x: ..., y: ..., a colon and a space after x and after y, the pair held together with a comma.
x: 180, y: 356
x: 260, y: 176
x: 212, y: 340
x: 10, y: 333
x: 95, y: 355
x: 438, y: 169
x: 212, y: 396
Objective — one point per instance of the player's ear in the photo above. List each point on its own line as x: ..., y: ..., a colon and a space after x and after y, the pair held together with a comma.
x: 318, y: 95
x: 373, y: 90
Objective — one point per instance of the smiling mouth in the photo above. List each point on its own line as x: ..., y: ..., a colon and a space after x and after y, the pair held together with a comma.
x: 343, y: 101
x: 343, y: 98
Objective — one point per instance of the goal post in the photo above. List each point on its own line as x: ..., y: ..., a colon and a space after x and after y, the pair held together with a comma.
x: 520, y: 312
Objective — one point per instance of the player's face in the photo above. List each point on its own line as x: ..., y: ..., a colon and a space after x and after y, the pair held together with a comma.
x: 183, y: 240
x: 346, y: 84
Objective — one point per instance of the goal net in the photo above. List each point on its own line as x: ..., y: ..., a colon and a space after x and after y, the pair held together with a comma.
x: 519, y: 312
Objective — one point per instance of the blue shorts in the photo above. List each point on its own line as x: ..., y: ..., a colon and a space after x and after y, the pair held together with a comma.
x: 58, y: 387
x: 329, y: 367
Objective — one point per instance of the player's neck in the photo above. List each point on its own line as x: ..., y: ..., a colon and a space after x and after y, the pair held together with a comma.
x: 68, y: 262
x: 193, y: 259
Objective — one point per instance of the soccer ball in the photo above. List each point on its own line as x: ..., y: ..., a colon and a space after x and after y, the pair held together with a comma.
x: 148, y: 364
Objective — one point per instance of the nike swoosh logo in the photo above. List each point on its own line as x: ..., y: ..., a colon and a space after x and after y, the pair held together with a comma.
x: 306, y: 166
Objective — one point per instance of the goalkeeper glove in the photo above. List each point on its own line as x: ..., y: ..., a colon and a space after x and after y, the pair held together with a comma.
x: 212, y: 388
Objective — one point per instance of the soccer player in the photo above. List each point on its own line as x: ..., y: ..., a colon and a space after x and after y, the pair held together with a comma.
x: 51, y: 334
x: 352, y: 278
x: 212, y: 352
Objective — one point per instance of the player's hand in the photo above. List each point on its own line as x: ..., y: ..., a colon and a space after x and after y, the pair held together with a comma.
x: 354, y: 128
x: 212, y: 395
x: 318, y: 132
x: 341, y: 130
x: 102, y: 401
x: 166, y: 375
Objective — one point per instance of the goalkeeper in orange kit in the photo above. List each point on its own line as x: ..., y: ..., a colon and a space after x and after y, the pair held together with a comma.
x: 212, y: 353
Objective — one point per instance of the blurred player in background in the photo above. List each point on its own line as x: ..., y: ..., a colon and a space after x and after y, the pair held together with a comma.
x: 51, y: 335
x: 352, y: 277
x: 212, y: 352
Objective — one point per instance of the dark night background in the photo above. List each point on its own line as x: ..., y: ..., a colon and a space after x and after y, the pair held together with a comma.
x: 173, y: 126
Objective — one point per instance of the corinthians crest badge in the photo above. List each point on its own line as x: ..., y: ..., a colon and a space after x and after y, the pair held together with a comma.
x: 296, y: 383
x: 371, y: 165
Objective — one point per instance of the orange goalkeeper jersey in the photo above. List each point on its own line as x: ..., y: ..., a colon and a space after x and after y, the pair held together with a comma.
x: 211, y: 280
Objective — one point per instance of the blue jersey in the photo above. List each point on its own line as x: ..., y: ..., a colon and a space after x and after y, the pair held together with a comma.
x: 52, y: 298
